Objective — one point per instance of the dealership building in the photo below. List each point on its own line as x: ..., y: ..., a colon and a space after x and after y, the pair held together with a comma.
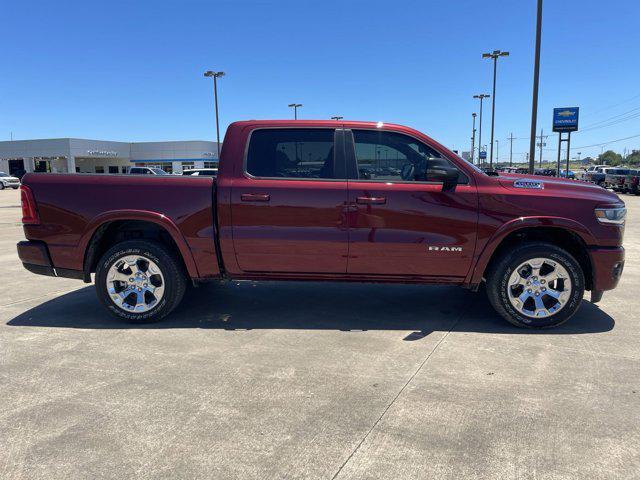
x: 63, y: 155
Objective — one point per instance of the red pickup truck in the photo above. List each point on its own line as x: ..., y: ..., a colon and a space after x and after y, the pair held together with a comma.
x: 327, y: 200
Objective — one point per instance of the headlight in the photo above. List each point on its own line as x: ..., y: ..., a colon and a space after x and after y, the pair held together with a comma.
x: 613, y: 216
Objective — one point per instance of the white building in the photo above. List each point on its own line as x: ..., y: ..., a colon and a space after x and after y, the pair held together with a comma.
x: 62, y: 155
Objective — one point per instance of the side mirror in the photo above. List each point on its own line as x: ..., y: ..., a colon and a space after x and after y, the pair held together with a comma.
x: 449, y: 176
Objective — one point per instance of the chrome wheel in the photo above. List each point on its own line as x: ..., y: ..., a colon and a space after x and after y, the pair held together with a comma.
x: 539, y: 287
x: 135, y: 283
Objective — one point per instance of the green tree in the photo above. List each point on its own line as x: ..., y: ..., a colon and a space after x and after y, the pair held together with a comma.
x: 610, y: 158
x: 633, y: 158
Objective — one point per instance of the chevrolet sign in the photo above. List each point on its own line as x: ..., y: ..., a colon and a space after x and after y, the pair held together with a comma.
x: 565, y: 119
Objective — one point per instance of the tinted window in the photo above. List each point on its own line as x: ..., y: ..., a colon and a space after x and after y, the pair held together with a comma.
x: 389, y: 156
x: 291, y: 153
x: 113, y: 169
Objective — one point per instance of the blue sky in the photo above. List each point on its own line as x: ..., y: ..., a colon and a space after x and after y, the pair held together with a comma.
x: 133, y: 70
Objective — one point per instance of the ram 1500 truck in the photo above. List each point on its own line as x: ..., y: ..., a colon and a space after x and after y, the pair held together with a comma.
x: 328, y: 200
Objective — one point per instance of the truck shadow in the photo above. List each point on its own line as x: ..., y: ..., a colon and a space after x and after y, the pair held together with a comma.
x: 238, y: 306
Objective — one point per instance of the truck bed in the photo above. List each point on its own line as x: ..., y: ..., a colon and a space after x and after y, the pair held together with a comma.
x: 73, y: 208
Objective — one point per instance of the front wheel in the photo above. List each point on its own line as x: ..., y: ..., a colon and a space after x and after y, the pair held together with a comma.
x: 536, y: 285
x: 139, y: 281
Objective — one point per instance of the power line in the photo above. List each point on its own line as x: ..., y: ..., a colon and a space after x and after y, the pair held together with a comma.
x: 622, y: 117
x: 612, y: 106
x: 606, y: 143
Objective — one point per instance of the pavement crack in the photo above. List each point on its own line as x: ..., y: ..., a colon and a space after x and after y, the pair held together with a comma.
x: 384, y: 412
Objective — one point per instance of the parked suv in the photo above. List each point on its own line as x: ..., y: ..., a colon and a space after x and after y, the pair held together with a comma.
x: 7, y: 181
x: 631, y: 181
x: 146, y: 171
x: 201, y: 172
x: 614, y: 178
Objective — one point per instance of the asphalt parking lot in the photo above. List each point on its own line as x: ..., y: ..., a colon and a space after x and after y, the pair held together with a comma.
x: 313, y: 380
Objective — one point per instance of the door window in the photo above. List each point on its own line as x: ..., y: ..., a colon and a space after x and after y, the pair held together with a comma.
x: 394, y: 157
x: 294, y: 153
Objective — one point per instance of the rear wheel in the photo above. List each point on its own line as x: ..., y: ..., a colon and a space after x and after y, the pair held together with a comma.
x: 536, y: 285
x: 139, y: 281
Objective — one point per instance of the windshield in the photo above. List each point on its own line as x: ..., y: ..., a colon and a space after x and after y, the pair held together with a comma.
x: 2, y: 174
x: 158, y: 171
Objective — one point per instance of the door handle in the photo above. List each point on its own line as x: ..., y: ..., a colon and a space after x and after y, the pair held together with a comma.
x: 255, y: 197
x: 371, y: 200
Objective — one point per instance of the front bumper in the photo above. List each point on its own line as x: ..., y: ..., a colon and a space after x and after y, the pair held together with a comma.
x: 35, y: 257
x: 607, y: 265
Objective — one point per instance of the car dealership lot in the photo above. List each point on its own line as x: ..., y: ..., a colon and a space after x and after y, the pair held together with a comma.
x: 313, y: 380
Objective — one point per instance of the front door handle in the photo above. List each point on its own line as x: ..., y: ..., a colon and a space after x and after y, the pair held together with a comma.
x: 255, y: 197
x: 371, y: 200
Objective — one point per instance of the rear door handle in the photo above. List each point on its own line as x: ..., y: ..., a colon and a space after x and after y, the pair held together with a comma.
x: 371, y: 200
x: 255, y: 197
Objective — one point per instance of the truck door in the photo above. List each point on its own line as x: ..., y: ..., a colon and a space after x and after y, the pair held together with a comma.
x: 403, y: 223
x: 288, y: 207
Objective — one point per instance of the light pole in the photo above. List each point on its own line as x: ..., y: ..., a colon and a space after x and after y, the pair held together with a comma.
x: 494, y: 55
x: 534, y: 101
x: 473, y: 135
x: 337, y: 117
x: 481, y: 96
x: 497, y: 152
x: 295, y: 109
x: 216, y: 75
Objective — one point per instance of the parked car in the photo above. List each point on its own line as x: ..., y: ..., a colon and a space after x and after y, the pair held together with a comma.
x: 631, y: 182
x: 7, y: 181
x: 146, y: 171
x: 201, y: 172
x: 596, y: 175
x: 581, y: 174
x: 614, y: 178
x: 563, y: 174
x: 536, y: 243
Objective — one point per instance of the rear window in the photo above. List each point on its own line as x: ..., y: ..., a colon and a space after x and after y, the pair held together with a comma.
x: 617, y: 171
x: 291, y: 153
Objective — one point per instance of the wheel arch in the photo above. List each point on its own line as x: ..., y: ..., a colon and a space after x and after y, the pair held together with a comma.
x: 113, y: 227
x: 564, y: 233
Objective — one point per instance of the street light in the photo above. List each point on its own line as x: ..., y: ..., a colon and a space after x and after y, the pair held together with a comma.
x: 482, y: 96
x: 473, y: 135
x: 534, y: 99
x: 295, y: 109
x: 494, y: 55
x: 337, y: 117
x: 216, y: 75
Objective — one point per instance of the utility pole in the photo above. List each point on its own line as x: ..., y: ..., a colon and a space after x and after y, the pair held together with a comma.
x: 536, y: 79
x: 511, y: 139
x: 541, y: 144
x: 497, y: 152
x: 494, y: 55
x: 295, y: 109
x: 216, y: 75
x: 481, y: 97
x: 473, y: 136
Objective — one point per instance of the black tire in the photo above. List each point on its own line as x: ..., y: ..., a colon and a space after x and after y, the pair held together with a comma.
x: 1, y: 186
x: 175, y: 279
x: 502, y: 268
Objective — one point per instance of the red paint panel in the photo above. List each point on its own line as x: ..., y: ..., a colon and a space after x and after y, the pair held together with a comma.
x: 393, y: 237
x: 301, y: 228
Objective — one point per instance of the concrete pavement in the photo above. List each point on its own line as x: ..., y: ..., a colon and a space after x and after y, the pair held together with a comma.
x: 313, y: 380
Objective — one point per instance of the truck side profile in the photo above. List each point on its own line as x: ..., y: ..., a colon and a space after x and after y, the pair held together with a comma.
x: 328, y: 200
